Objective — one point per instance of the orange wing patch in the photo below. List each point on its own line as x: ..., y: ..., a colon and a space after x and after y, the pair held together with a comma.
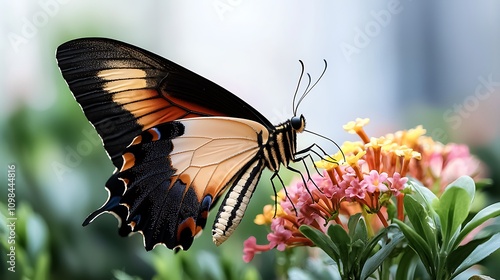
x: 137, y: 93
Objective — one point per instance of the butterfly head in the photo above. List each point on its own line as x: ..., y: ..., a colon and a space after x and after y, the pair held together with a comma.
x: 298, y: 123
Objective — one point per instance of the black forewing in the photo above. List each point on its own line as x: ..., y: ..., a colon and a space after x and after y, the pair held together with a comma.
x: 171, y: 87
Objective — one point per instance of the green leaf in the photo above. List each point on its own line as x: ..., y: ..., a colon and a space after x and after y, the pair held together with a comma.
x: 454, y: 206
x: 379, y: 257
x: 392, y: 211
x: 407, y: 265
x: 210, y: 266
x: 353, y: 222
x: 359, y: 237
x: 481, y: 252
x: 422, y: 222
x: 361, y: 232
x: 322, y: 241
x: 166, y: 265
x: 458, y: 256
x: 42, y: 266
x: 357, y: 228
x: 357, y: 249
x: 340, y: 237
x: 419, y: 245
x: 481, y: 217
x: 465, y: 182
x: 250, y: 273
x: 374, y: 242
x: 481, y: 277
x: 423, y: 195
x: 122, y: 275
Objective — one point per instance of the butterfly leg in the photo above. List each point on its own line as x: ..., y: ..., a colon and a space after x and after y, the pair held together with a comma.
x: 304, y: 180
x: 311, y: 149
x: 307, y: 151
x: 325, y: 156
x: 303, y: 160
x: 275, y: 174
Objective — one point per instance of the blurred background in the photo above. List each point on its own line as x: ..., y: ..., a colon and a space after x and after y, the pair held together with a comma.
x: 400, y: 63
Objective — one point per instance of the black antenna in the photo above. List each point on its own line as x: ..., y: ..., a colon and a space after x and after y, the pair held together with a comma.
x: 302, y: 97
x: 307, y: 90
x: 298, y: 85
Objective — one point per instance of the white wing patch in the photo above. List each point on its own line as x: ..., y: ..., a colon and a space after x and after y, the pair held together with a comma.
x: 213, y: 150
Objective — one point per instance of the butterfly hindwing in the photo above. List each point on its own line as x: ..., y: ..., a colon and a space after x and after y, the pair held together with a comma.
x: 173, y: 173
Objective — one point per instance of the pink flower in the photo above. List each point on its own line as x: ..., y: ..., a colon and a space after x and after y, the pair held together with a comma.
x: 397, y: 183
x: 453, y: 151
x: 326, y: 185
x: 375, y: 182
x: 355, y: 190
x: 250, y: 247
x: 292, y: 194
x: 307, y: 214
x: 458, y: 167
x: 435, y: 162
x: 279, y: 235
x: 345, y: 183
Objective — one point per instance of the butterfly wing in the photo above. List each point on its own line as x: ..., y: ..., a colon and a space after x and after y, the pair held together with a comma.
x: 174, y: 159
x: 173, y: 174
x: 124, y: 90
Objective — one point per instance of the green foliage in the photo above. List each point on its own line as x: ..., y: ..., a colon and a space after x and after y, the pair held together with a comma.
x: 204, y: 265
x: 436, y: 232
x: 356, y: 255
x: 431, y: 244
x: 25, y: 252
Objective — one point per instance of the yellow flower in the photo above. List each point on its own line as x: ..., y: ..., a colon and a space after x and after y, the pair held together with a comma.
x: 352, y: 160
x: 330, y: 162
x: 352, y: 147
x: 390, y: 147
x: 411, y: 137
x: 354, y: 126
x: 376, y: 143
x: 407, y: 153
x: 268, y: 214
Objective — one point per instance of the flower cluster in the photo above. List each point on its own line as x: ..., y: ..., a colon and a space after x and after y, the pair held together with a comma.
x: 368, y: 177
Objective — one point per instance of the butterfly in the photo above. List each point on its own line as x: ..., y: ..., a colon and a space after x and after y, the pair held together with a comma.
x: 179, y: 142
